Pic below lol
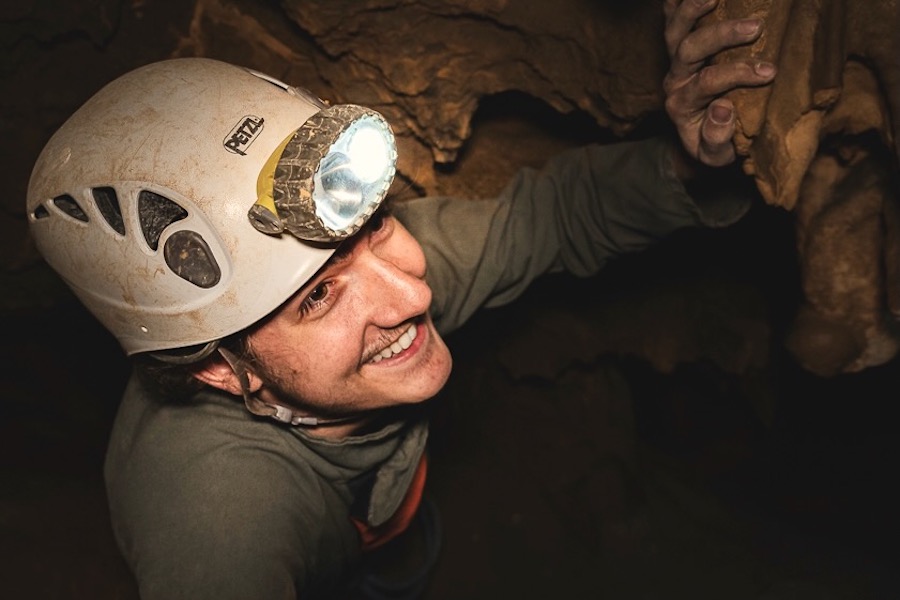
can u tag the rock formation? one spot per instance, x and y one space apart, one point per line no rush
821 142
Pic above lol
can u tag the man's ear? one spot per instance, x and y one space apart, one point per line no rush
225 372
216 372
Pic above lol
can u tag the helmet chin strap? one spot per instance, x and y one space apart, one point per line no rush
278 412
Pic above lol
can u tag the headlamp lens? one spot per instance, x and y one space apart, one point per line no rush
368 151
352 176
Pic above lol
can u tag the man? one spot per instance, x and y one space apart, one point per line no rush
231 232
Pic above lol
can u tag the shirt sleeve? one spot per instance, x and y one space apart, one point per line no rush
585 207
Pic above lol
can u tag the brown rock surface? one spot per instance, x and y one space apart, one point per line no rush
805 139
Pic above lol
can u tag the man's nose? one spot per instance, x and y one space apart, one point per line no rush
398 289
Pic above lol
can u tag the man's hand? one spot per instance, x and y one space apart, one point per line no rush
694 87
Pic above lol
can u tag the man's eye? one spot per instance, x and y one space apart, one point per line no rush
377 221
318 294
318 298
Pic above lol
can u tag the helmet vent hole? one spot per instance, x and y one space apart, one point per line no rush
108 204
189 257
40 212
67 204
156 213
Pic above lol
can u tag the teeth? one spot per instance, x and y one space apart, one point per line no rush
407 338
402 343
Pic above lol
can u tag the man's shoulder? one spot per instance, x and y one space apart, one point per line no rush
201 479
163 453
209 426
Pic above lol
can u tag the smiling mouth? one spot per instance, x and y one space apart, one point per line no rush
399 345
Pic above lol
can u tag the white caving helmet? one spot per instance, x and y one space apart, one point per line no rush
163 201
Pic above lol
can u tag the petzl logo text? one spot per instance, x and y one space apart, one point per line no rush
243 134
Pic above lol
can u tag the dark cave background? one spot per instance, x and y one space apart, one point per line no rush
639 434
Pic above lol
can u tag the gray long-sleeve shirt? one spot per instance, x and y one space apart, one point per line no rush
208 501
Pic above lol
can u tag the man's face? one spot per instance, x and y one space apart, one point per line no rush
358 336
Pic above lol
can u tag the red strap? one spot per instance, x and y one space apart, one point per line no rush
373 537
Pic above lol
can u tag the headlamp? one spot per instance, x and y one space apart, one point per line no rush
325 181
